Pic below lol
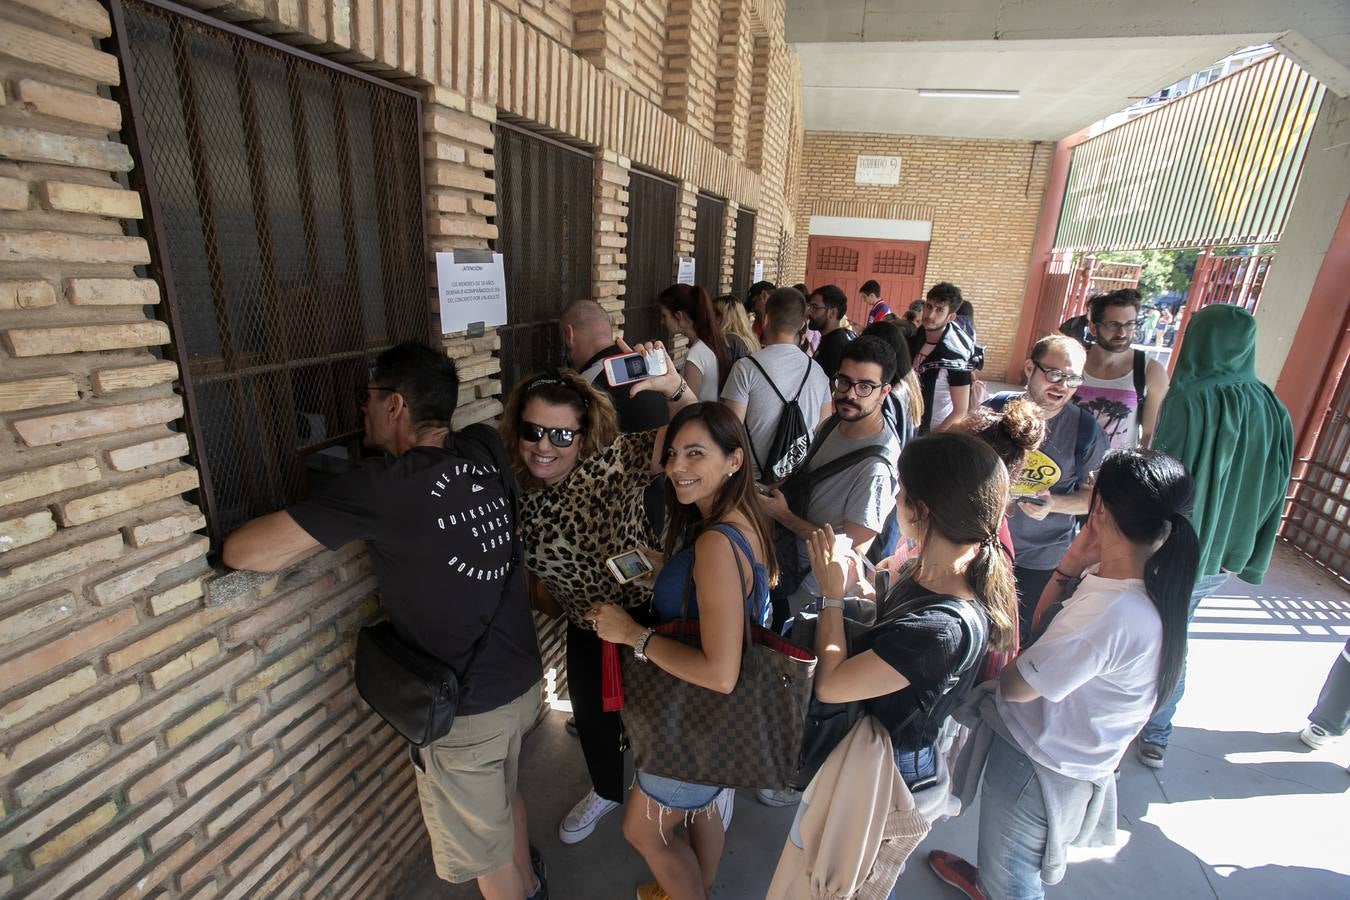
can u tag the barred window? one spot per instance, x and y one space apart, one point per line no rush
544 226
652 203
708 230
284 210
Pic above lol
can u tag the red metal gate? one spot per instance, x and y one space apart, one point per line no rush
1320 503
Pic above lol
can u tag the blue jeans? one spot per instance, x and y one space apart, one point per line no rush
1013 826
1159 728
915 767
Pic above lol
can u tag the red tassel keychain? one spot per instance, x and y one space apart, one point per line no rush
611 677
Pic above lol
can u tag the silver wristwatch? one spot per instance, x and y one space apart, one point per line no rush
640 648
828 603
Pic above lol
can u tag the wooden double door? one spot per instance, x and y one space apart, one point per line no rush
898 266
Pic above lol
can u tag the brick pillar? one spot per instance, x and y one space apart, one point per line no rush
458 146
609 248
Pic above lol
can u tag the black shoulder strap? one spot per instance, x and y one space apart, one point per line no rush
1140 370
975 633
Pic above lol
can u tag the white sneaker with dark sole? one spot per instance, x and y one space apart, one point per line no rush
785 797
1317 737
578 824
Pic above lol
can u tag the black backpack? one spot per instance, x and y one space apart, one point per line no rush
791 439
827 724
797 492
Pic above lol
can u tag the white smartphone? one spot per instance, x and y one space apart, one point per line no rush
628 566
627 368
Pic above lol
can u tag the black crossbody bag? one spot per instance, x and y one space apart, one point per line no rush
418 694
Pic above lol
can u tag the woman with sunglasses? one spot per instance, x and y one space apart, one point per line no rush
581 505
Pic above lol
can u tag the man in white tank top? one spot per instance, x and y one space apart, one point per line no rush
1122 388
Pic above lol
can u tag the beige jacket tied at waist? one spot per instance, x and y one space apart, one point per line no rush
857 824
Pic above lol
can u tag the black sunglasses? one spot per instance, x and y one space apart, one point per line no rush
558 437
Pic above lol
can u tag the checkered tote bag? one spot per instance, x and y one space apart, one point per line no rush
749 738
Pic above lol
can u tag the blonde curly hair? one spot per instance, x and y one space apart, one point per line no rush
594 409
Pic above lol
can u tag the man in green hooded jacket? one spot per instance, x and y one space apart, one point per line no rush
1235 438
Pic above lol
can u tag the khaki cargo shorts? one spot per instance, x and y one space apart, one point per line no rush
465 783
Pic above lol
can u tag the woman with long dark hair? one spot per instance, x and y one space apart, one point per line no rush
688 310
715 528
953 489
1070 704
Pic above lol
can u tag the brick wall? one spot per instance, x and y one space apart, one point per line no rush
167 729
983 198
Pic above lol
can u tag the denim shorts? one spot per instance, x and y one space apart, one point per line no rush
675 794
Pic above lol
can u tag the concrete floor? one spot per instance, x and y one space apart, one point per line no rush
1242 809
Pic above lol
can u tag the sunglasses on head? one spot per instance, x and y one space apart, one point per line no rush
558 437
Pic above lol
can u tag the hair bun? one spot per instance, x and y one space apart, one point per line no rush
1024 423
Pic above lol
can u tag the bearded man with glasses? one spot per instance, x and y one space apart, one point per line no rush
1122 387
1055 484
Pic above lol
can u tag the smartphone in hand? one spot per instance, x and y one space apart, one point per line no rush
628 566
627 368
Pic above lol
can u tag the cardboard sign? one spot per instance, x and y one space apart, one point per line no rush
471 288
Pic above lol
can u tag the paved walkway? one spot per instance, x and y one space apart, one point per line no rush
1242 810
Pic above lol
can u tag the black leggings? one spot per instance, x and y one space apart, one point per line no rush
601 733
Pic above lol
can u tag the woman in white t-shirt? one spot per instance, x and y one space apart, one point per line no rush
1075 698
686 309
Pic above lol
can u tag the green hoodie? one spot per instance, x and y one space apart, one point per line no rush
1234 437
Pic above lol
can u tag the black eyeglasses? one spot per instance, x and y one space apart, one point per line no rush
843 384
1059 376
558 437
1114 327
362 392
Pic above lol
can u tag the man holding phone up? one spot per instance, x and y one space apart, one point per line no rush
1055 484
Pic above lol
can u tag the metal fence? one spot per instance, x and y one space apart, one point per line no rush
284 210
708 230
1320 506
652 204
544 226
1217 167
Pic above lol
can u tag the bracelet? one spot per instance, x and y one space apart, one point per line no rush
679 393
1060 571
640 646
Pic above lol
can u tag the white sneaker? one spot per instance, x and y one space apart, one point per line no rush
726 802
580 822
785 797
1317 737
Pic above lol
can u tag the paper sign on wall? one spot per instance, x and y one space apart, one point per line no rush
686 271
759 271
877 170
472 289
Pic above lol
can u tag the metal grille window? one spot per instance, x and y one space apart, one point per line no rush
285 212
544 224
1316 521
743 266
652 204
708 228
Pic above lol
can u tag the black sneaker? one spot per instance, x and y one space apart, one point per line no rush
540 872
571 725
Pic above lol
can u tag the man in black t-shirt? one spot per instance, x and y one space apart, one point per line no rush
829 305
440 529
944 358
